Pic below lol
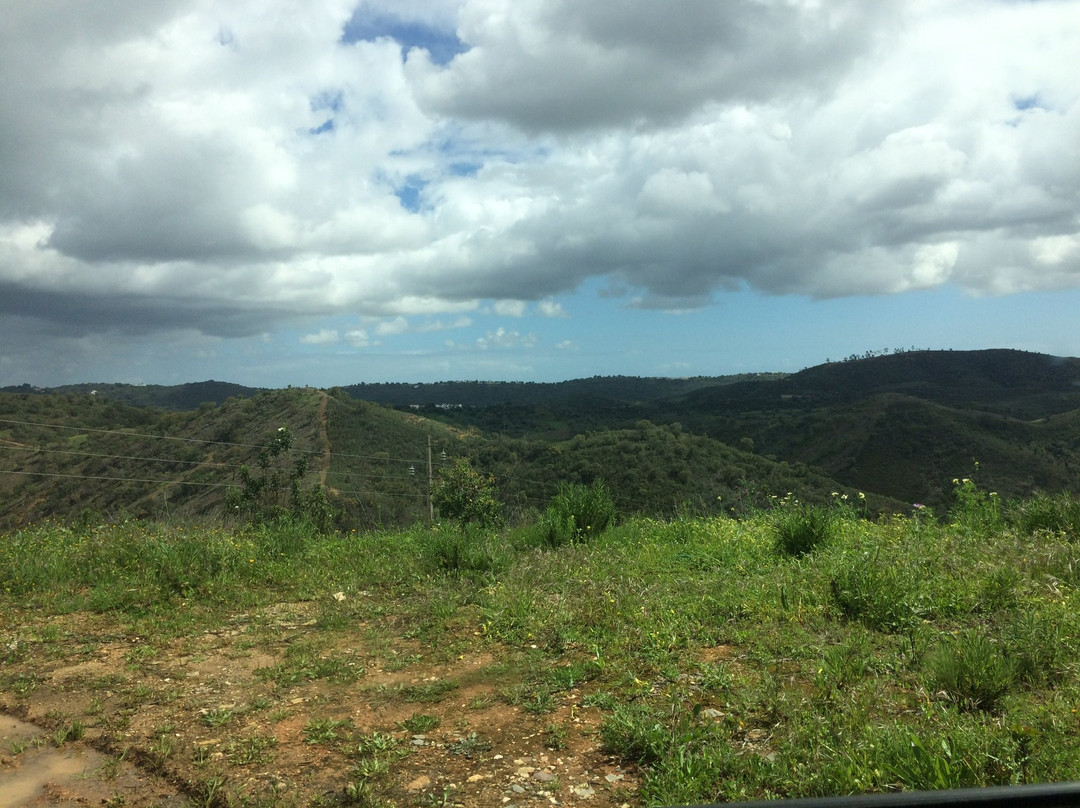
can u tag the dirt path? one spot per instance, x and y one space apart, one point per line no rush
323 438
266 706
39 768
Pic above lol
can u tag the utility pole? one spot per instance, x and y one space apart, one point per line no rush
430 506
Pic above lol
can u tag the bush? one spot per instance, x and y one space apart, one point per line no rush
972 670
577 514
465 495
799 530
468 549
1052 514
881 595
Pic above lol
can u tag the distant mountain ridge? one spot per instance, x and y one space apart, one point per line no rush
1000 380
167 397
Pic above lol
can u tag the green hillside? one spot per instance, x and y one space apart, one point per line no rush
898 428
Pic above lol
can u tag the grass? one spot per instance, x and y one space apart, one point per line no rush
728 659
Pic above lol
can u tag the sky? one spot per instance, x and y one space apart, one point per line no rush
326 192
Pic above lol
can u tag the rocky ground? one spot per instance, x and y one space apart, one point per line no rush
274 708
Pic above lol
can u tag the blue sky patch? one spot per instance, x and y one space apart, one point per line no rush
1028 102
442 45
409 193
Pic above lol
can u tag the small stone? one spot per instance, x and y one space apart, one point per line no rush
613 778
543 777
712 712
474 778
497 757
584 792
421 782
517 789
525 771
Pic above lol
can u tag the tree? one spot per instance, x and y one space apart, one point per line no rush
465 495
275 489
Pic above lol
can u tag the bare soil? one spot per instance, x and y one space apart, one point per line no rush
96 714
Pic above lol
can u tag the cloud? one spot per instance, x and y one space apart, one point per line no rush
509 308
551 308
327 336
230 170
501 338
399 325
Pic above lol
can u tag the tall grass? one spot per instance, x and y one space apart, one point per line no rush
898 654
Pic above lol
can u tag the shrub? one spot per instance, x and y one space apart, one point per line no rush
972 670
577 513
634 732
882 596
1038 643
799 530
465 495
1058 513
466 549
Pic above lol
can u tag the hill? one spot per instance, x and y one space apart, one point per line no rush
908 424
899 428
167 397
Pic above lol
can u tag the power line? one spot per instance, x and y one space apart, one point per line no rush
41 450
148 436
117 479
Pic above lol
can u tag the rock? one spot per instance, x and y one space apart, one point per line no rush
474 778
585 792
517 789
543 777
613 778
421 782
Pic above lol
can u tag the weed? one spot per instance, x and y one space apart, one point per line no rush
635 732
1038 644
1058 513
69 732
376 743
258 703
570 676
716 678
971 669
218 717
252 749
201 755
360 794
541 702
430 693
577 513
208 793
555 737
843 665
603 699
883 596
162 747
469 746
481 701
420 723
800 529
326 730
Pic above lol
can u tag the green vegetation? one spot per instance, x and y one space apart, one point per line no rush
798 651
577 513
465 496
